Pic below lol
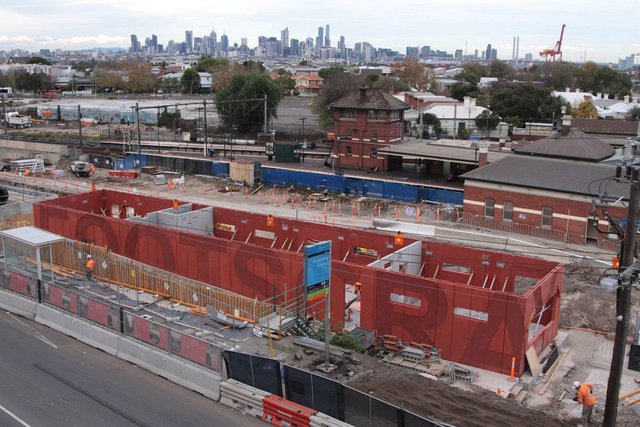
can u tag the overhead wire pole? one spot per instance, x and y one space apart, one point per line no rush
4 117
266 117
80 125
138 126
623 299
206 138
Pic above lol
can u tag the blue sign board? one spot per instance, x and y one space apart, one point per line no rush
317 265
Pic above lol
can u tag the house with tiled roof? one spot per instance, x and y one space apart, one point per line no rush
308 84
364 121
549 188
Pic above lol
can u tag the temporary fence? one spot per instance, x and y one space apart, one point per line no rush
303 389
70 256
451 214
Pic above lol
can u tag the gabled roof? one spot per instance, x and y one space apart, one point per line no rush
576 145
310 77
583 178
370 99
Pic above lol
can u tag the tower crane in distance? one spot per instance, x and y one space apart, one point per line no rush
556 51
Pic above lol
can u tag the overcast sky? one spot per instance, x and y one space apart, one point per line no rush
606 30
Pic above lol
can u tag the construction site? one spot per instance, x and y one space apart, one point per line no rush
457 324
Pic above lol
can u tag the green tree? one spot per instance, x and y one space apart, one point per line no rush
430 125
335 86
585 110
525 101
614 82
38 60
372 78
556 75
501 70
190 81
208 64
168 119
253 66
634 114
247 116
460 90
390 84
487 120
472 73
587 77
285 82
330 72
35 82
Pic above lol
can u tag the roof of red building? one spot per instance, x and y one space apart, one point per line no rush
370 99
311 77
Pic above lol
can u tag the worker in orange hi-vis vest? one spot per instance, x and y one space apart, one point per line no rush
91 264
585 397
92 169
92 186
175 204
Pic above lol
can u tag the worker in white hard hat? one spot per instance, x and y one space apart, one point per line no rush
91 264
585 397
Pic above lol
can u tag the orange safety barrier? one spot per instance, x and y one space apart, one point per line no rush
282 412
123 174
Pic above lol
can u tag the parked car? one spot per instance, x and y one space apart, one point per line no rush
79 168
307 145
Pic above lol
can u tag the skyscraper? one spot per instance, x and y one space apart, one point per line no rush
320 38
224 43
135 47
188 40
487 53
295 47
284 37
327 38
412 52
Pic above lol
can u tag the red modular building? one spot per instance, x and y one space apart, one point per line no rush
364 122
480 308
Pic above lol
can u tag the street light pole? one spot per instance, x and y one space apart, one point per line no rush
486 125
303 135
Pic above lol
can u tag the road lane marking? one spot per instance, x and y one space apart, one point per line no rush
35 333
14 416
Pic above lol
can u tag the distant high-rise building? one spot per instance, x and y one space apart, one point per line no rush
458 54
475 54
188 40
213 42
135 46
327 38
197 44
295 47
425 52
487 53
320 38
341 44
284 37
262 40
224 43
367 52
494 54
412 52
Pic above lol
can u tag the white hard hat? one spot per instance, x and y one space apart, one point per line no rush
576 384
88 256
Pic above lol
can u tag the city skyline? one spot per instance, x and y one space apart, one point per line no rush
595 28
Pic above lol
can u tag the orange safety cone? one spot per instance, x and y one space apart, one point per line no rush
340 209
418 215
438 214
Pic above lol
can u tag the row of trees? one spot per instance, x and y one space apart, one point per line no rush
589 77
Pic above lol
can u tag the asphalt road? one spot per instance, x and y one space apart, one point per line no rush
49 379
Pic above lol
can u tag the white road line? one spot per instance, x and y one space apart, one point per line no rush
14 416
35 333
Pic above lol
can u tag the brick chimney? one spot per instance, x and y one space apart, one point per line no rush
483 156
363 93
566 123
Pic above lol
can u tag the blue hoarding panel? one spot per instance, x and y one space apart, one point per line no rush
220 168
118 164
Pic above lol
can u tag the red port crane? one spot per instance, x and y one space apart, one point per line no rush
556 51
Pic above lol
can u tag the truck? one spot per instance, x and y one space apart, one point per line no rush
15 120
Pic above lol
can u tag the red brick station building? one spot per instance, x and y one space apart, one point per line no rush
364 122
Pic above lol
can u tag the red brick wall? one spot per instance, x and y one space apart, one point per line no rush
535 202
360 157
361 128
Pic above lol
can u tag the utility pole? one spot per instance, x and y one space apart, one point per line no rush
266 117
4 117
623 297
138 122
158 133
302 119
206 138
80 125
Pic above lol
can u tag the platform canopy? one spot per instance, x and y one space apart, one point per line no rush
31 236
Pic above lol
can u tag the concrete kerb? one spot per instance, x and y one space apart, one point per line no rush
17 304
80 329
175 370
